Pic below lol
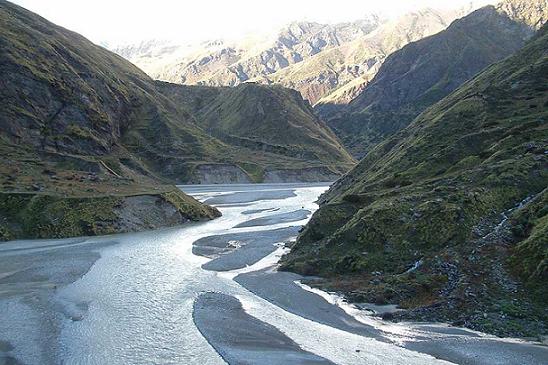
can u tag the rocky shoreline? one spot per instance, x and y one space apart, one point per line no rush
480 291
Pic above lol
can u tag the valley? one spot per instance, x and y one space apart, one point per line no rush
209 293
366 183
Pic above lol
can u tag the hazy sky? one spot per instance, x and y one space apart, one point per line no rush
124 21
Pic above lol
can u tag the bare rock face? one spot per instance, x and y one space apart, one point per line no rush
135 213
421 73
221 174
315 59
533 13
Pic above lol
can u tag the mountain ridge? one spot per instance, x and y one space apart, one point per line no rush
313 58
423 72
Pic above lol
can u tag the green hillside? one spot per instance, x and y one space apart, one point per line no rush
448 216
273 123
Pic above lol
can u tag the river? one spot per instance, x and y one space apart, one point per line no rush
208 293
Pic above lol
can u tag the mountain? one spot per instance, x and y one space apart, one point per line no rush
228 63
322 75
285 140
313 58
231 63
82 127
69 113
448 216
425 71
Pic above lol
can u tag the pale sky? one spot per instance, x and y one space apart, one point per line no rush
125 21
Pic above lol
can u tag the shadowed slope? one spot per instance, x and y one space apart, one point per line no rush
423 219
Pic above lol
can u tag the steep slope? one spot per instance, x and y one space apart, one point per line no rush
79 122
313 58
287 142
72 115
318 76
423 72
447 217
64 95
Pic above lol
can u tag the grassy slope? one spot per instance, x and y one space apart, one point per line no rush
77 121
422 73
73 118
64 95
276 127
434 193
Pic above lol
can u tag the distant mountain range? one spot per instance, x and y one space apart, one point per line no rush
315 59
423 72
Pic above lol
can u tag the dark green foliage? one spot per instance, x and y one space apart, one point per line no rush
48 216
190 207
45 216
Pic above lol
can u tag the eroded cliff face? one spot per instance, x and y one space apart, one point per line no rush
221 174
312 174
45 215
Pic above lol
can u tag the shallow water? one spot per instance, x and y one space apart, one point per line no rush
136 302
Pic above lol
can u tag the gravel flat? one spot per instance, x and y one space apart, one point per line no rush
272 219
237 250
280 289
248 197
242 339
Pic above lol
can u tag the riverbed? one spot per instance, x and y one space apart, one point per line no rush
209 293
